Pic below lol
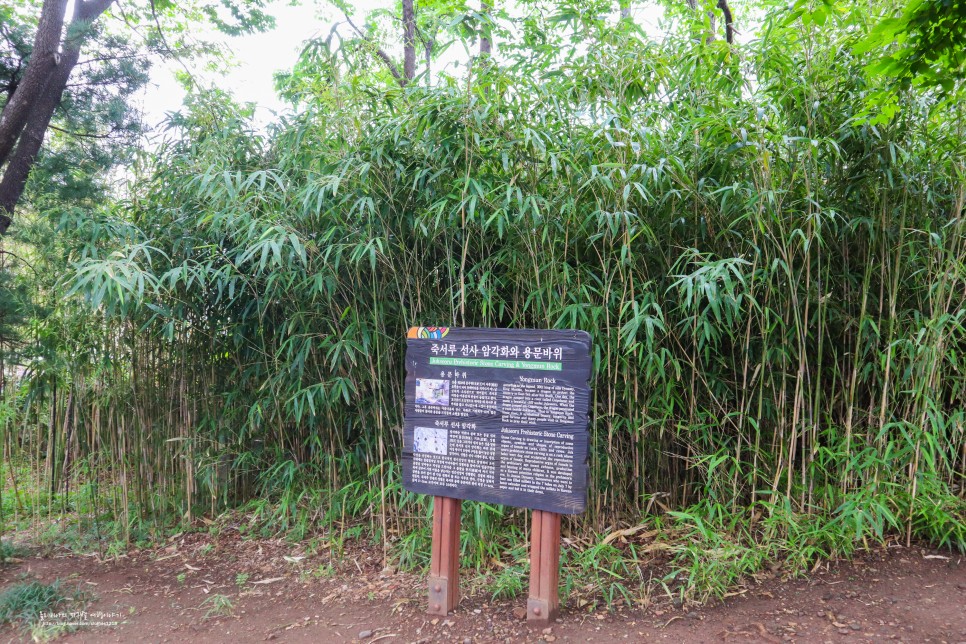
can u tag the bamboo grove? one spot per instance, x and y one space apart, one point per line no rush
772 277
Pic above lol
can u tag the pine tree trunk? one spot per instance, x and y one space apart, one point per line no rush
41 109
43 60
32 136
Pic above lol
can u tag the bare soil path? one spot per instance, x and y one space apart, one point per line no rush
272 593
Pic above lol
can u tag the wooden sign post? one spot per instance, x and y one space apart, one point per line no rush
444 567
543 603
499 416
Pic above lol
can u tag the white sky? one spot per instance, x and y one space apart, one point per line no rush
259 56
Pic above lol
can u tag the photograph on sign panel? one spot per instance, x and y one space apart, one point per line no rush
430 440
432 392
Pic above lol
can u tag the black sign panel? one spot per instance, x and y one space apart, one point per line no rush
498 415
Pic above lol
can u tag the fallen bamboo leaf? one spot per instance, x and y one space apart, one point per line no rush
627 532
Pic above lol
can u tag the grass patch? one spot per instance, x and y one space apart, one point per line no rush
218 606
26 604
10 552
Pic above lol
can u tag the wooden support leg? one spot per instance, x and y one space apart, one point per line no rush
543 604
444 585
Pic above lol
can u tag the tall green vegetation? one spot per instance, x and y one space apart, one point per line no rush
772 282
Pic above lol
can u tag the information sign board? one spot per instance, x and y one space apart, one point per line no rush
498 415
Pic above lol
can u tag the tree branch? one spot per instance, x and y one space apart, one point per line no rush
104 59
378 50
89 10
19 258
83 135
729 26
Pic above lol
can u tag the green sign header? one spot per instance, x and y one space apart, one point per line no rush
496 364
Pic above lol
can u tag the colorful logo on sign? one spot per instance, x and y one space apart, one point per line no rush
432 332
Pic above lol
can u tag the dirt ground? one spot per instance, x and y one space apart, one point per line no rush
174 594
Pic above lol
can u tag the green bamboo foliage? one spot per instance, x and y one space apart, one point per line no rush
773 285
